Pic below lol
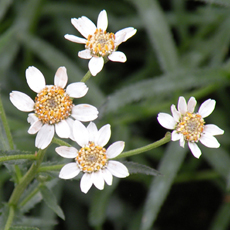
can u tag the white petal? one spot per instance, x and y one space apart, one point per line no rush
117 169
176 136
129 32
119 38
62 129
191 104
86 182
175 113
102 20
107 176
35 79
84 112
77 89
70 122
182 106
182 141
80 133
92 129
84 25
166 120
22 101
44 136
61 78
67 152
75 39
69 171
95 65
115 149
117 56
85 54
32 118
194 149
207 107
209 141
103 135
98 180
35 127
213 130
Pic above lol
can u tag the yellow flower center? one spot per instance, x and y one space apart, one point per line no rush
191 125
91 158
101 43
52 105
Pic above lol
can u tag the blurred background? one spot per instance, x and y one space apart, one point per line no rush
181 48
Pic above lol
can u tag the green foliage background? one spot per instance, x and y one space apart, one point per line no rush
181 49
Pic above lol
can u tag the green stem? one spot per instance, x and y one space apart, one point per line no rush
156 144
19 189
50 168
18 157
5 125
86 77
10 218
28 198
60 142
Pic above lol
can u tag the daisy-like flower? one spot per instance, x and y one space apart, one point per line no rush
92 159
189 126
99 43
53 108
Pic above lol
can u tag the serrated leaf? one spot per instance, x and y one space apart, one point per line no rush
23 228
51 201
134 167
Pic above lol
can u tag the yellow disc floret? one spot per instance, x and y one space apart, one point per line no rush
91 158
101 43
52 105
191 125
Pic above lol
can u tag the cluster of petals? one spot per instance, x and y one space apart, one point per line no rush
90 134
86 27
45 132
210 130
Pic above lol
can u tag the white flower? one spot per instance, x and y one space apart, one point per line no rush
53 106
92 159
99 43
189 126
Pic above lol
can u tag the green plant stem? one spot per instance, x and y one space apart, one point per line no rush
50 168
86 77
10 218
28 198
6 126
18 157
60 142
156 144
19 189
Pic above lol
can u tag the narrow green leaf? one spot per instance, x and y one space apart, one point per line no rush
98 207
134 167
23 228
160 186
51 201
159 33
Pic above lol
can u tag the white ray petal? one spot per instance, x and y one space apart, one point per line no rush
182 106
176 136
175 113
80 133
209 141
85 54
75 39
117 169
35 127
117 56
70 122
77 89
44 136
98 180
191 104
213 129
207 107
62 129
22 101
35 79
32 118
129 32
67 152
107 176
102 20
115 149
103 135
69 171
86 182
84 112
95 65
92 129
166 120
194 149
61 78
